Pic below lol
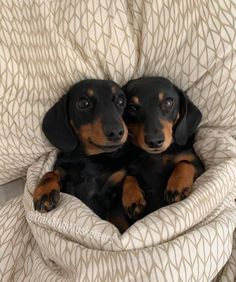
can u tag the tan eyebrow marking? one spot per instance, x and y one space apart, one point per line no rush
135 100
113 89
161 96
90 92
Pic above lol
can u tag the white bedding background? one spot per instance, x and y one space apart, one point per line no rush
11 190
45 47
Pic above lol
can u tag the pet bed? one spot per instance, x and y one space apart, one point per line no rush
46 46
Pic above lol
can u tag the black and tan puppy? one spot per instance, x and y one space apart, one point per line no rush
86 125
110 177
161 121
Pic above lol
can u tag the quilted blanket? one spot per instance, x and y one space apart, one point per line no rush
45 47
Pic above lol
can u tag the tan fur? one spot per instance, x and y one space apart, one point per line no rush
117 176
176 158
132 194
90 92
48 183
93 133
113 89
181 179
161 96
136 131
135 100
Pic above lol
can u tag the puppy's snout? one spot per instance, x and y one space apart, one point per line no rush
154 141
114 134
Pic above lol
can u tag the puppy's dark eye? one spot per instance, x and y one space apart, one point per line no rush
167 104
83 103
120 101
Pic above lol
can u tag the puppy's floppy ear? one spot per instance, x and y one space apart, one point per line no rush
56 126
189 119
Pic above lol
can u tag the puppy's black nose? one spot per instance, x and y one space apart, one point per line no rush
154 141
114 134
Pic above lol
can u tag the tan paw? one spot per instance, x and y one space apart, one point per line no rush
132 198
180 183
47 193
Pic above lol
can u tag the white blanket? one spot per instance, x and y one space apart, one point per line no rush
45 47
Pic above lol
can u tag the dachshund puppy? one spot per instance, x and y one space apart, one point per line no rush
86 125
121 181
161 121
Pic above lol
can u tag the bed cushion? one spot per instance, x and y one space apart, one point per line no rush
60 42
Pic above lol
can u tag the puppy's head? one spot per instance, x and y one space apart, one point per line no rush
158 113
89 115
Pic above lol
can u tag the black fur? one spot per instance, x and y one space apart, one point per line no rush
150 166
85 172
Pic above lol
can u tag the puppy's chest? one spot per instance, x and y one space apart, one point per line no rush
86 176
151 167
152 173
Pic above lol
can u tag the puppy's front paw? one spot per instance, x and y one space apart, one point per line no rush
176 194
180 183
132 198
47 193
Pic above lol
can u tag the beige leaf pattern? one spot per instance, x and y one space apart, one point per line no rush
45 47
